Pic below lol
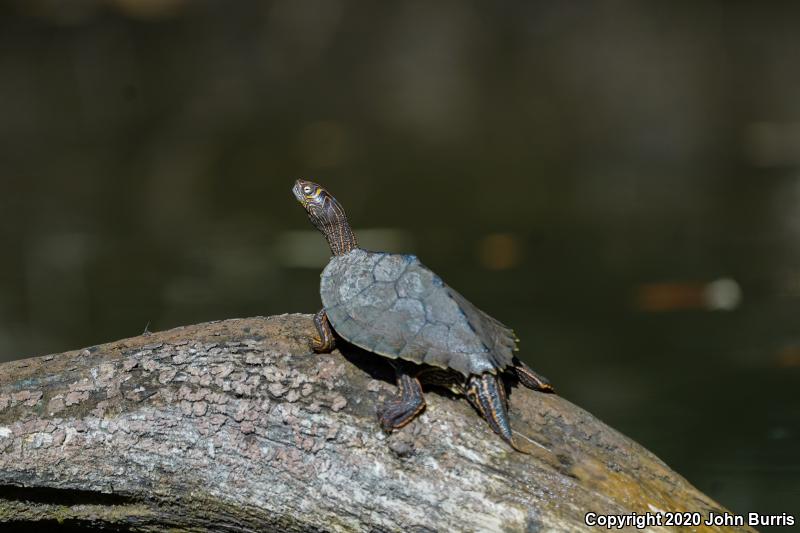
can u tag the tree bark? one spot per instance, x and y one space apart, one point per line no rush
237 426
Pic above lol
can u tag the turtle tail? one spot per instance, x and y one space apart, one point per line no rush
485 392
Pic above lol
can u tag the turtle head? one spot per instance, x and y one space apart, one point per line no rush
326 214
311 196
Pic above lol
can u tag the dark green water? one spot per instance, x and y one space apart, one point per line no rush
618 182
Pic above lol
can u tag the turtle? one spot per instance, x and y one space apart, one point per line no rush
394 306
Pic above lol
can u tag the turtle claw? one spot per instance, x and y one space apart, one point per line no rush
408 403
531 379
317 346
395 415
324 341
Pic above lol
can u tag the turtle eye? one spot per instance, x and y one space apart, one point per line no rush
307 189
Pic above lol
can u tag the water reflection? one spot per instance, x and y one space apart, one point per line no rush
723 294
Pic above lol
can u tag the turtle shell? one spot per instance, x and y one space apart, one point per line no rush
395 306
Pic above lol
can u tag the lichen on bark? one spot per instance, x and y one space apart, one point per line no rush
236 426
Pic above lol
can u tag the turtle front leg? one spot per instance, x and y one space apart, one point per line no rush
486 393
531 379
408 403
324 342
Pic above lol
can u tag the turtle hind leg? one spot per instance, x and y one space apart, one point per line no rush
324 341
408 403
531 379
485 393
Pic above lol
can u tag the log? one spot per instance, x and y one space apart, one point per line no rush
237 426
